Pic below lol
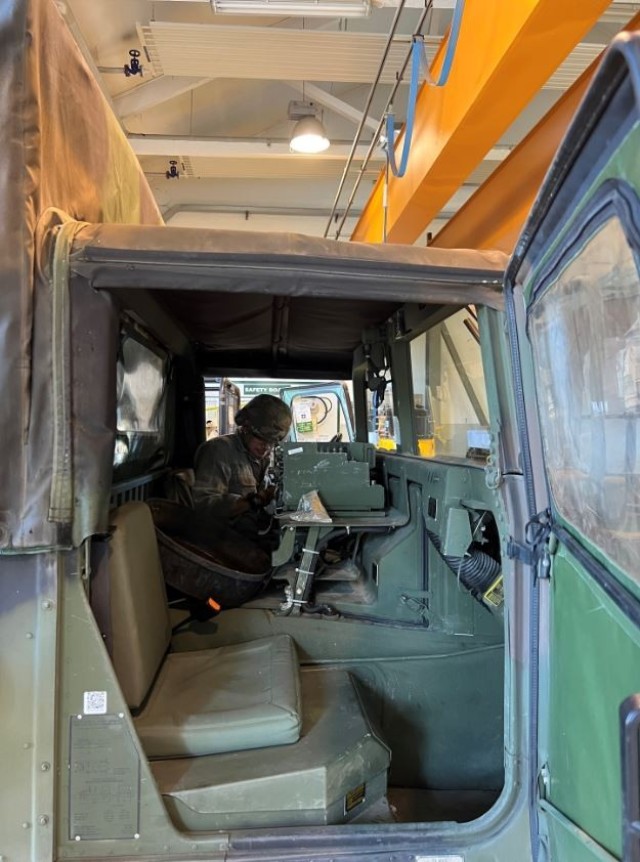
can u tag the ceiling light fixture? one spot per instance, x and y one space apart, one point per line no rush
301 8
309 135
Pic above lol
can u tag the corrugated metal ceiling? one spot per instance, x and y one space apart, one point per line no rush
271 53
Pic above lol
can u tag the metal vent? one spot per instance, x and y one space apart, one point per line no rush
269 53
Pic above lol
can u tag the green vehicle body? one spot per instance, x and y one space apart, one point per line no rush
501 716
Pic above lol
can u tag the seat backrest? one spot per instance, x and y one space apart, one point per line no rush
140 625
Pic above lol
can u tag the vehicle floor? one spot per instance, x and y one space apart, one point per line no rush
415 805
441 734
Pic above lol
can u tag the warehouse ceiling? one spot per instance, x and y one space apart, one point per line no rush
214 98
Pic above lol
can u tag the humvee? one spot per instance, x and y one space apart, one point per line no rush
448 669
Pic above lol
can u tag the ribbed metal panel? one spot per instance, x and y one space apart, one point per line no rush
573 66
481 173
620 12
271 53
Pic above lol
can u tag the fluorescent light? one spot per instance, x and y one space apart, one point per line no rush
309 136
301 8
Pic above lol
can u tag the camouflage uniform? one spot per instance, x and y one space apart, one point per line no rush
226 471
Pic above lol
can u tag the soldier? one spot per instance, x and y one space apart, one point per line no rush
230 487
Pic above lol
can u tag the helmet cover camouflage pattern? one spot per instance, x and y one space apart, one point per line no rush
266 417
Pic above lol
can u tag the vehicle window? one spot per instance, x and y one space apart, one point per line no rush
450 398
585 332
318 417
141 404
222 402
384 430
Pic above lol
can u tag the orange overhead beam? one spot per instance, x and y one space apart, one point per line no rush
506 51
493 217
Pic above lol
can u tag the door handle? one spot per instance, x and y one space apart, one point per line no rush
630 755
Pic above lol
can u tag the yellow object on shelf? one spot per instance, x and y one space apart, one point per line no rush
387 444
427 447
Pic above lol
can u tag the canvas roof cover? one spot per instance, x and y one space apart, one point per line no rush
278 303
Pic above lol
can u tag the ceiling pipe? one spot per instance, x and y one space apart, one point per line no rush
376 137
365 112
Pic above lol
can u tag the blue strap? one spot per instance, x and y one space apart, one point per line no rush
418 58
452 44
417 53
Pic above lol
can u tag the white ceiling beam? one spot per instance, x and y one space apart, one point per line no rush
343 109
212 148
155 92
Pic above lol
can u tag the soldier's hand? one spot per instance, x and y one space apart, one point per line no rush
267 494
260 499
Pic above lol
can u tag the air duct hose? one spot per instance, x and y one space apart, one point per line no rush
476 570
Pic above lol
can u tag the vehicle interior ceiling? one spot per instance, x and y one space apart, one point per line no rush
396 599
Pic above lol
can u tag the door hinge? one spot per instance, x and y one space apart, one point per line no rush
544 781
543 572
535 550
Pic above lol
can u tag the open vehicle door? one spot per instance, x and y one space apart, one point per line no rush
574 301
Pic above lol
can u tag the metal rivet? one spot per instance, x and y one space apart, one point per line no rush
47 605
44 820
29 635
44 766
136 835
121 715
26 825
77 838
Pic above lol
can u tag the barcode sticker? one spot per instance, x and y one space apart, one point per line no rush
95 703
296 451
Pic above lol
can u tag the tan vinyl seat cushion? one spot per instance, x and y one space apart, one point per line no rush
226 699
191 703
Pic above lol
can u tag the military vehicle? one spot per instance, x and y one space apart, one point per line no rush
448 669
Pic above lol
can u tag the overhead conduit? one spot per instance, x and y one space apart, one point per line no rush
494 216
505 53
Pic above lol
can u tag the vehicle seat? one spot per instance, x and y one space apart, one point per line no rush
191 703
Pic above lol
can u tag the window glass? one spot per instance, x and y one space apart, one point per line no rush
140 387
450 398
318 417
141 406
585 332
320 409
222 402
383 427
